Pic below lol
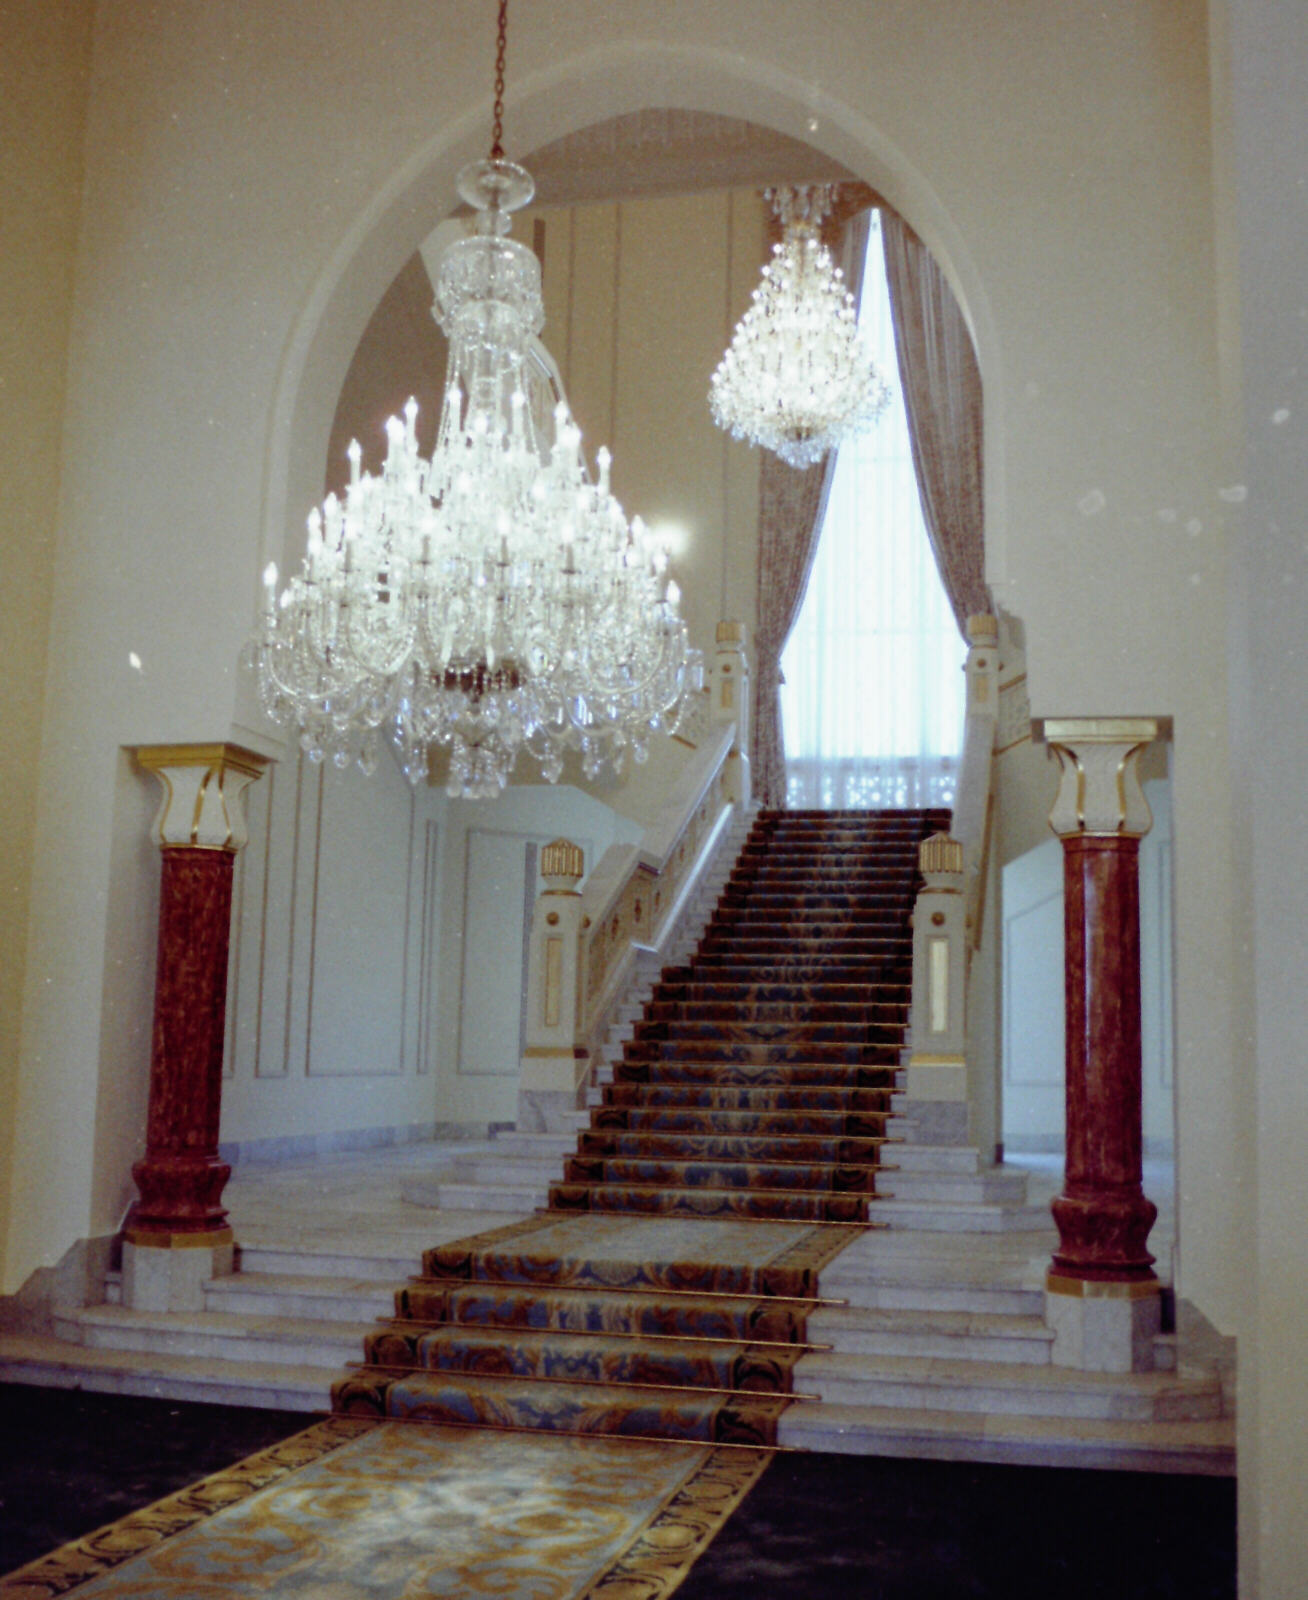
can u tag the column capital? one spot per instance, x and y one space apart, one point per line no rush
1099 791
203 789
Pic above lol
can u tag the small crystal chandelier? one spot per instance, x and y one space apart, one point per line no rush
796 377
492 599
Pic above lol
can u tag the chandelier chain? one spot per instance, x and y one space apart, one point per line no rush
501 47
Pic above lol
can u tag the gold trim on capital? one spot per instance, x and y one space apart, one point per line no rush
1101 730
155 757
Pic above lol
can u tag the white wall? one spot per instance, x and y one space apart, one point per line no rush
335 953
486 892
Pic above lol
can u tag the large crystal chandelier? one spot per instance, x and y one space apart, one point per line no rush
492 599
796 378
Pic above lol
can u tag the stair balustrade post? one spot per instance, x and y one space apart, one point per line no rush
176 1235
936 1079
729 702
1102 1298
555 1061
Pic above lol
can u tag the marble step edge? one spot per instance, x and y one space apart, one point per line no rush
215 1335
1206 1448
516 1197
938 1383
304 1259
319 1299
889 1295
829 1323
961 1216
904 1183
47 1363
507 1168
521 1142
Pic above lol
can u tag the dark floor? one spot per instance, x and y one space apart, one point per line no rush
834 1527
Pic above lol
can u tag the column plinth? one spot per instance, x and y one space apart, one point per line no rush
176 1234
1102 1296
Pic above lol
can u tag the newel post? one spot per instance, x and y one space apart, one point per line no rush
1102 1299
555 1061
176 1235
936 1081
729 702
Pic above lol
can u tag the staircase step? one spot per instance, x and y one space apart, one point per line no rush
278 1294
1007 1388
734 1317
971 1188
699 1147
269 1385
672 1071
661 1200
587 1357
757 1124
1178 1447
622 1410
222 1336
831 1097
523 1197
608 1170
954 1216
949 1335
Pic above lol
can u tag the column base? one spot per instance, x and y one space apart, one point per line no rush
168 1271
1103 1327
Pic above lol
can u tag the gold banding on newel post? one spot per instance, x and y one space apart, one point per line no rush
729 702
555 1061
176 1235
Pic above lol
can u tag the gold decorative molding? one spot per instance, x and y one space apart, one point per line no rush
730 632
983 629
1099 792
204 784
1101 1289
562 860
940 853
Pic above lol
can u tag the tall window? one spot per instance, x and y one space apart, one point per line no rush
872 703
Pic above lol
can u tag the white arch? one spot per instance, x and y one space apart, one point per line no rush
606 82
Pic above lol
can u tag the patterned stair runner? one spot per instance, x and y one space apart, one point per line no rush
666 1291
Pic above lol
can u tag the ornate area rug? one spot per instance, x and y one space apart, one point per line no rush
357 1510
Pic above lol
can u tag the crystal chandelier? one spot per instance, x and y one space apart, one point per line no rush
796 377
493 598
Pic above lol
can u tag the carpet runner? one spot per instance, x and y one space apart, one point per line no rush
666 1290
356 1510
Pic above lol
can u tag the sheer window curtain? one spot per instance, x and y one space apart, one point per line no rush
791 511
872 692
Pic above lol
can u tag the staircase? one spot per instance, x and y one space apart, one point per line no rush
750 1101
707 1267
759 1082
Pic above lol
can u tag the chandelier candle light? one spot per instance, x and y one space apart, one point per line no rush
797 378
494 598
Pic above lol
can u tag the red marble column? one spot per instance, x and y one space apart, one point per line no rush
1103 1216
180 1177
200 828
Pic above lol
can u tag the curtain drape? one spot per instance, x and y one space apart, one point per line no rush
791 506
942 393
872 693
